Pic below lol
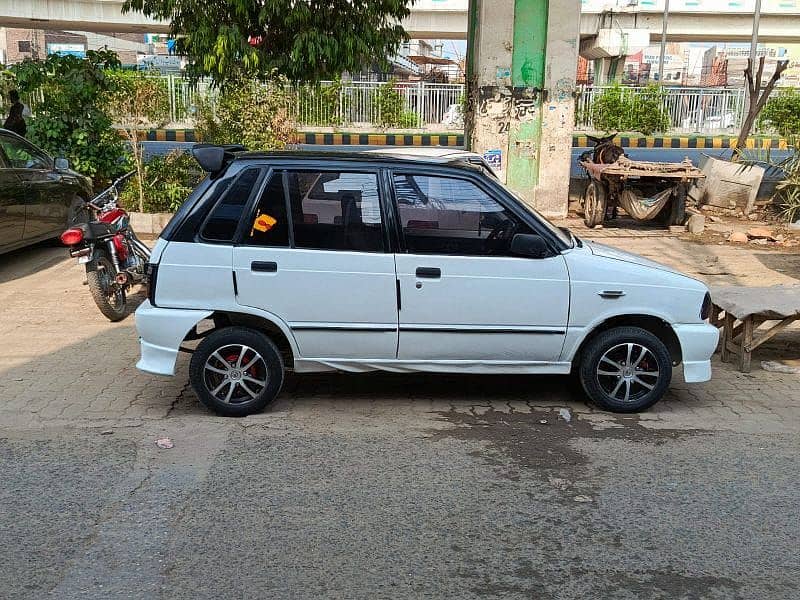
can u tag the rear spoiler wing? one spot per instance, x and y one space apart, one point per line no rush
213 158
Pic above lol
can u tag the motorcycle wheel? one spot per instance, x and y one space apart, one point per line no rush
107 295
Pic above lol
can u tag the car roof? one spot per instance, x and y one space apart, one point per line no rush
452 158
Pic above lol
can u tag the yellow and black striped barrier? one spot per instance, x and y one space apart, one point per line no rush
456 140
669 141
381 139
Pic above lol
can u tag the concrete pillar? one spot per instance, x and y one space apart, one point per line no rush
522 59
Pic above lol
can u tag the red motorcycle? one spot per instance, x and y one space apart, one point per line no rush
115 258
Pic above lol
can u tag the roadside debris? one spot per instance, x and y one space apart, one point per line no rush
565 414
165 443
737 237
107 432
775 366
582 499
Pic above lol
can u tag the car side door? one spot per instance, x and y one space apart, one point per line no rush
315 253
465 295
47 200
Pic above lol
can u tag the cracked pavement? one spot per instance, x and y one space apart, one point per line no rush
383 485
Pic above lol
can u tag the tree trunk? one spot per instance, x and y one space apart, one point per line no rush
756 98
137 159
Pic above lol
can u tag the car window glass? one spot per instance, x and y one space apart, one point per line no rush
224 219
22 155
269 225
443 215
334 210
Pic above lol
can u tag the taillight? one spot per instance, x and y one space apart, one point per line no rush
705 309
72 236
152 273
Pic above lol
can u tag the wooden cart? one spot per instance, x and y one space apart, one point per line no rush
608 182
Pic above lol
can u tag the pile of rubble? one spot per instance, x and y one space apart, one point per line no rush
762 236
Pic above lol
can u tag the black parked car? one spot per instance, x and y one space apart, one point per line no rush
39 196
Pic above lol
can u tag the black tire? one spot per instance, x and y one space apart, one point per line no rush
107 296
237 347
612 382
594 203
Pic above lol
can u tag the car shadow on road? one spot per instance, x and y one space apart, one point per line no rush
26 261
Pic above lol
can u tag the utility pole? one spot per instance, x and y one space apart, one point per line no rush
754 42
665 20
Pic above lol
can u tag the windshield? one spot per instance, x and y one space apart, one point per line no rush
563 234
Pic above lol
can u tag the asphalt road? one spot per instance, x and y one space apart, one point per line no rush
456 506
384 485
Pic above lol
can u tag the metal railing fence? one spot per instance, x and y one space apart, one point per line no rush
690 110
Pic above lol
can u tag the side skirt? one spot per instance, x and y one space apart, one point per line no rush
316 365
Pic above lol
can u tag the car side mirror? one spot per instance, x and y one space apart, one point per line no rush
61 164
530 245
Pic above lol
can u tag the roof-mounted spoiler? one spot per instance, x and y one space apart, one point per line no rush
213 158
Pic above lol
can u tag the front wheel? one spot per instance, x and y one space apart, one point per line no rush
625 369
236 371
107 294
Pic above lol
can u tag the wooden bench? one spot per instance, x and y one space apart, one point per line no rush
741 312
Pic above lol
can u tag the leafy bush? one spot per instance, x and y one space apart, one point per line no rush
70 118
787 192
621 109
248 112
782 113
390 108
168 181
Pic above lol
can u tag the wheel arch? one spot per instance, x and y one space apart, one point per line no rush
655 325
280 335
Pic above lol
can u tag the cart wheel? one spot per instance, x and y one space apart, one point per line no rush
594 203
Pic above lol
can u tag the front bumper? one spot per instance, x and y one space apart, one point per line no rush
698 343
161 332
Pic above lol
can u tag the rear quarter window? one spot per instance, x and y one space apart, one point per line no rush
223 221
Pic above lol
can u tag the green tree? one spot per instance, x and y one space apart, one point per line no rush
304 40
782 113
70 118
137 102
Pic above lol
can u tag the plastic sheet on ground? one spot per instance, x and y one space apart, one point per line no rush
642 208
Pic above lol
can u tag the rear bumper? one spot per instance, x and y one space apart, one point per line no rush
161 332
698 343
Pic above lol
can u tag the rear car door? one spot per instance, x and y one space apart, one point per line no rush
47 201
464 295
315 253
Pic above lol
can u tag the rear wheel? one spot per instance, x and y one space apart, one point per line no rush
625 369
594 203
106 293
236 371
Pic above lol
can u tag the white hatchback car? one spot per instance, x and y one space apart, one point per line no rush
361 262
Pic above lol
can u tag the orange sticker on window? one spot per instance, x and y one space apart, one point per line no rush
263 223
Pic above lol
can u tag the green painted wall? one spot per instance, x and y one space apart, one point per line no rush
527 71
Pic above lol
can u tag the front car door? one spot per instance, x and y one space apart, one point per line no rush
315 253
465 297
47 200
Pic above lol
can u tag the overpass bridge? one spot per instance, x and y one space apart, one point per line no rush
690 20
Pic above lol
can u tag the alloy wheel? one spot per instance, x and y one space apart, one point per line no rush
627 372
235 374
